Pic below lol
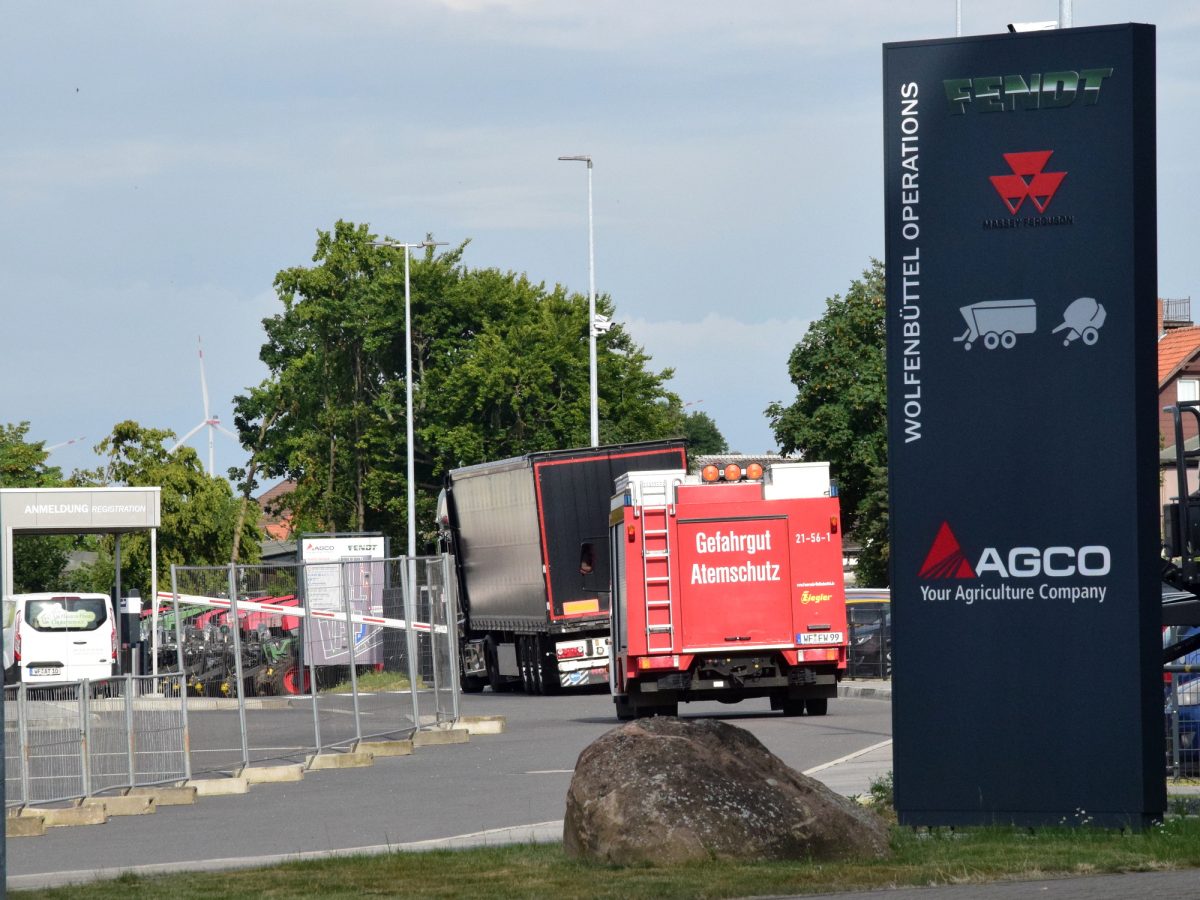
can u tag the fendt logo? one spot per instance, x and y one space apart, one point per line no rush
1028 180
947 560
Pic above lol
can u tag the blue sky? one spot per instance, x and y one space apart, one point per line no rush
160 162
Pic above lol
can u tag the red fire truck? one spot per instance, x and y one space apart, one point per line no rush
726 585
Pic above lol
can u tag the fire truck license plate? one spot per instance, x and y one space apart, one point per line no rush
822 637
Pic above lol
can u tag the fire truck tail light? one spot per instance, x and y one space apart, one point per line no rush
733 472
818 654
833 525
630 533
754 471
710 473
569 652
658 662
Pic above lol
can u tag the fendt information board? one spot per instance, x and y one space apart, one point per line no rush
1021 282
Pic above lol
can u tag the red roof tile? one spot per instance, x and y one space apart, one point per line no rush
1174 348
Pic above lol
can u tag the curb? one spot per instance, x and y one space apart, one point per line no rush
537 833
438 738
481 724
357 759
24 826
864 692
386 748
273 774
166 796
218 787
122 805
65 816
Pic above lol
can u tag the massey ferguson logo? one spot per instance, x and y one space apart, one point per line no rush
1028 180
947 560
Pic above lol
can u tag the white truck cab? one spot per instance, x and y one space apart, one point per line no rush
58 636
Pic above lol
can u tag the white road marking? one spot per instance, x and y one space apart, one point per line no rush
855 755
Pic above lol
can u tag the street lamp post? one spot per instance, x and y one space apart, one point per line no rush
592 398
408 392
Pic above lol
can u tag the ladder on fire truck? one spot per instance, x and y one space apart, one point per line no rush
656 566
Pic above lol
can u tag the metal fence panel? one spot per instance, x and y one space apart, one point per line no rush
159 730
270 678
14 743
1182 723
55 747
107 713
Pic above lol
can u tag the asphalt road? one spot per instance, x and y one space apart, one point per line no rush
516 778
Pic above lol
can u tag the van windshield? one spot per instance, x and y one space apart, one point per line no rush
66 613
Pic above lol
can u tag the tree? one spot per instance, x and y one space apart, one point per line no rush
199 511
840 411
38 560
500 368
702 434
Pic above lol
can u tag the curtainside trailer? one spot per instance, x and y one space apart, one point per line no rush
531 616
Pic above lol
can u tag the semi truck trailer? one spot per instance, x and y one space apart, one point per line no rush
529 617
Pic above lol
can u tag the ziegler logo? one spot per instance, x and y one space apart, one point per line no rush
1028 179
947 560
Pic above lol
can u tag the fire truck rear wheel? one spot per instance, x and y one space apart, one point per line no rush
792 707
664 709
625 710
816 706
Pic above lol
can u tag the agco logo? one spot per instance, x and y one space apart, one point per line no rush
1029 179
946 560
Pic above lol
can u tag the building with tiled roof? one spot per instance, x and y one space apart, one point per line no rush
275 517
1178 381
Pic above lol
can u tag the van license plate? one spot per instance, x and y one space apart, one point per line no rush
45 670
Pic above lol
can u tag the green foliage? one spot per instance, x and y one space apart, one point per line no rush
198 511
38 560
918 859
500 368
840 411
702 435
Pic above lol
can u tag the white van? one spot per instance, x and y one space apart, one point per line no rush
58 637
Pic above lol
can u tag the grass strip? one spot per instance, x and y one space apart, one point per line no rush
527 871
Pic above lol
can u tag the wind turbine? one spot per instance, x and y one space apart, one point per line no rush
211 422
54 447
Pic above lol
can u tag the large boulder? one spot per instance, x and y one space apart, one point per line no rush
671 791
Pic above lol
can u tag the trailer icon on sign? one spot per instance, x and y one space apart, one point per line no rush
998 322
1083 319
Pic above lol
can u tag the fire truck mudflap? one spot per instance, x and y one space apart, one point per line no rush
727 586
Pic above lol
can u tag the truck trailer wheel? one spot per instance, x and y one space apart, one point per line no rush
816 706
497 681
547 663
471 684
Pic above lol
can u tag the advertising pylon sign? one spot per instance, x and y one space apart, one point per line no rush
1022 421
